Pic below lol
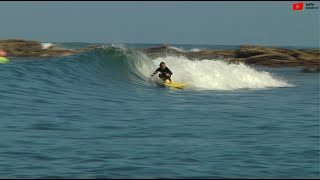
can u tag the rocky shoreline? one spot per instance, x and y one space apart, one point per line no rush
259 55
25 48
248 54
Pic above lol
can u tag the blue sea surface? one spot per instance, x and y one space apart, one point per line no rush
87 116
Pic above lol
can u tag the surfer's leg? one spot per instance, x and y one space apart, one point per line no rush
167 79
163 78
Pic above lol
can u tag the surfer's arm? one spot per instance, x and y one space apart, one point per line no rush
155 72
169 71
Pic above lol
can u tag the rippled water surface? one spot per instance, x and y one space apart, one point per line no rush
100 115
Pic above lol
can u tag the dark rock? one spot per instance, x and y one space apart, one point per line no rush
271 59
311 70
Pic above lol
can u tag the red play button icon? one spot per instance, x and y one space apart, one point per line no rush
297 6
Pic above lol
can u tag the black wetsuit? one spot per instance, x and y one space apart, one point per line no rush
163 73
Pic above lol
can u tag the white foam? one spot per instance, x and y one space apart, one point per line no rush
195 50
46 45
119 45
177 49
215 74
183 50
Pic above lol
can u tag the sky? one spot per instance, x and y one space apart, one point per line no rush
270 23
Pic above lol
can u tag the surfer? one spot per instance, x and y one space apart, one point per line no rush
3 58
165 73
3 53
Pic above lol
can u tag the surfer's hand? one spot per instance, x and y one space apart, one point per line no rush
167 74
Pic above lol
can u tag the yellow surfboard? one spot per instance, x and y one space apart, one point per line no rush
176 85
4 60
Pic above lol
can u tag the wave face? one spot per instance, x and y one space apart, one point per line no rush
200 74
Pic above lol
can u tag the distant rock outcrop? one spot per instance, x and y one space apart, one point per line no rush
24 48
311 70
259 55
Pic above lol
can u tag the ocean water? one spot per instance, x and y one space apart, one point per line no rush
100 115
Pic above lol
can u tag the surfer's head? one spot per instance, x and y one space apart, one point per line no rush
3 53
162 65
